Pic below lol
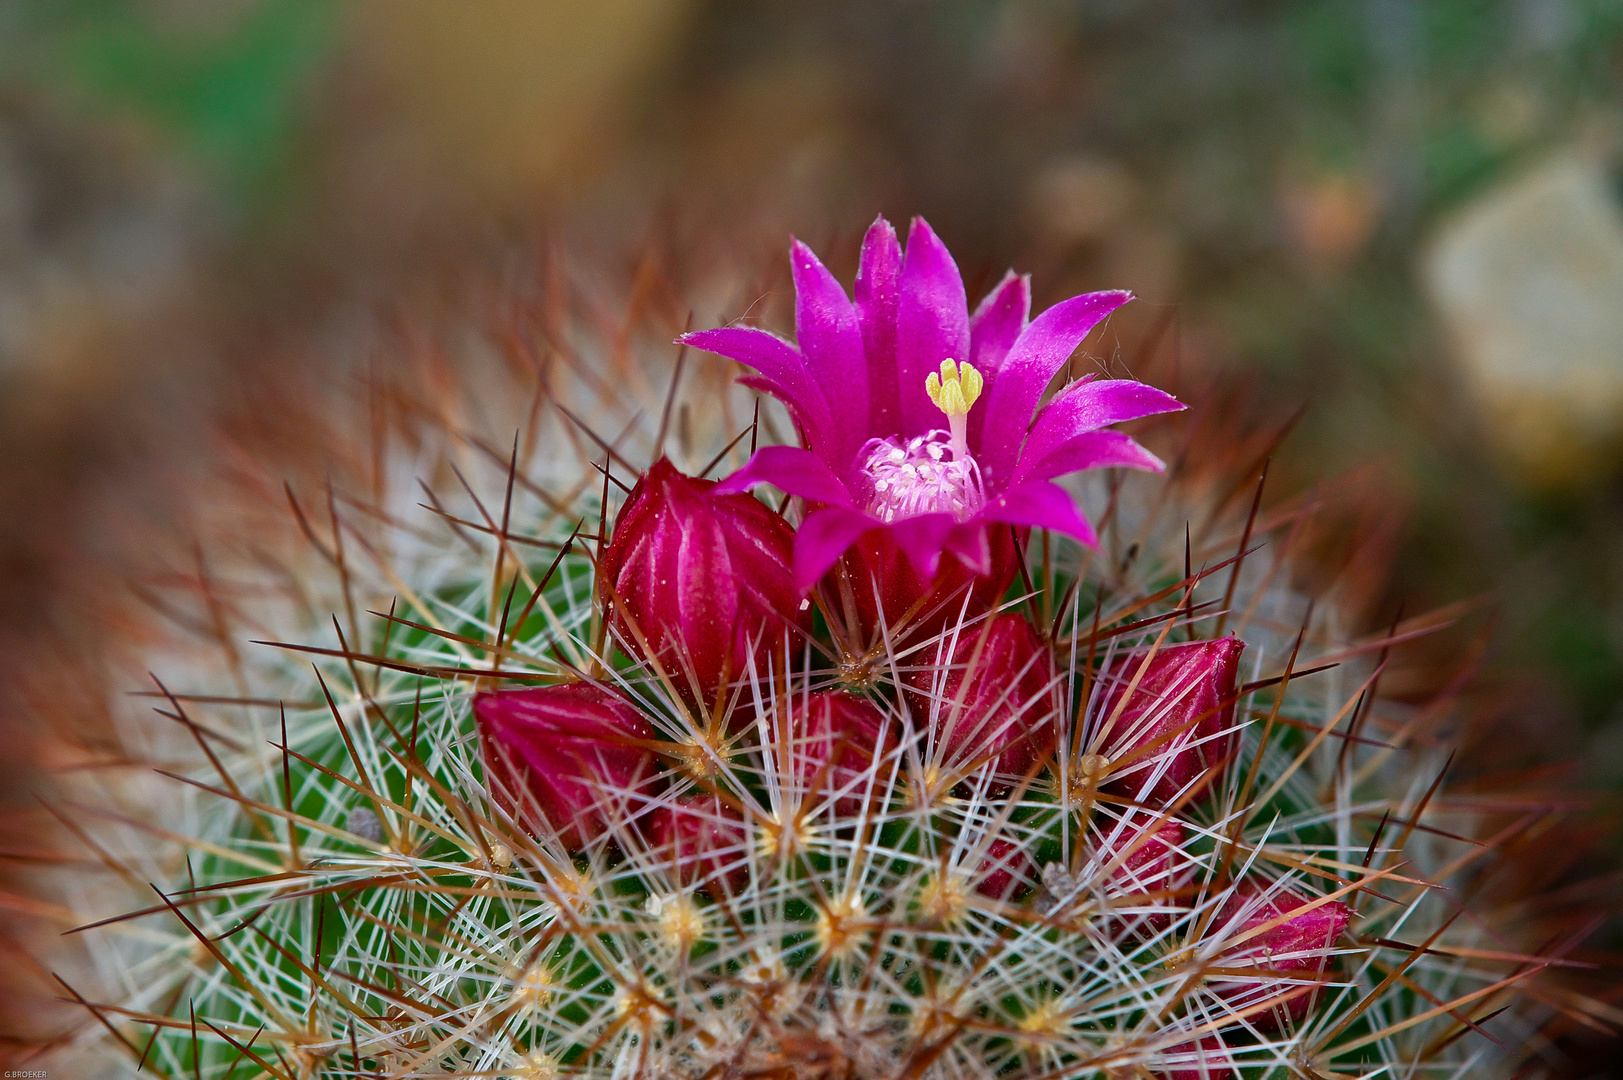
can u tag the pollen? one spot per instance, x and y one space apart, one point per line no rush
956 389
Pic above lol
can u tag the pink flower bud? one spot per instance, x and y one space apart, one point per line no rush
1185 694
1152 867
1204 1059
703 840
995 697
1296 949
706 579
877 564
835 738
1005 870
563 751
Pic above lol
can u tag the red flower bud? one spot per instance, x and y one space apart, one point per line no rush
1296 949
706 579
1005 870
562 751
1185 694
1150 868
876 564
703 840
834 739
995 697
1205 1059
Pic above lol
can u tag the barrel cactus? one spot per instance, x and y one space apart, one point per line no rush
864 706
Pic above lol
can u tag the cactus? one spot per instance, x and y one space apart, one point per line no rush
1068 854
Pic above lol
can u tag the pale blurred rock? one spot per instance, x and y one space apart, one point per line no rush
1529 279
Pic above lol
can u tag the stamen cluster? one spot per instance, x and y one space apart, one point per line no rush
923 475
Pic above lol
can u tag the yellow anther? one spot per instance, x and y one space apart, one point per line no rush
956 389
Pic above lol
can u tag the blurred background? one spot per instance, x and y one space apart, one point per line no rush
1404 217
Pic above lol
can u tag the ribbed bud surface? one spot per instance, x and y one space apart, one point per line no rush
990 694
703 840
1172 728
834 738
561 751
1293 949
701 582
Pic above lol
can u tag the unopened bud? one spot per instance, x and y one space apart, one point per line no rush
704 579
1145 854
1294 952
1006 870
703 841
1206 1058
1175 726
564 753
993 698
835 739
884 583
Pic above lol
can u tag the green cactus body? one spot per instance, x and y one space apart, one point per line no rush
339 894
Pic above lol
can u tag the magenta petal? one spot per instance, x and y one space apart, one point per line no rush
932 325
997 323
993 329
1089 450
779 362
922 538
1088 406
969 543
791 469
1040 505
823 537
877 288
831 342
1036 357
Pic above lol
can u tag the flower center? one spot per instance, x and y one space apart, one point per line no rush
933 473
920 476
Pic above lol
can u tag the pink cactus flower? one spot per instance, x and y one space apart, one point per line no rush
704 839
1295 951
919 423
994 696
1174 726
704 577
563 752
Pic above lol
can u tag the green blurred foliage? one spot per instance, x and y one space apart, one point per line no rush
225 87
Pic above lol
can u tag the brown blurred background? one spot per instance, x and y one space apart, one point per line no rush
1403 214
